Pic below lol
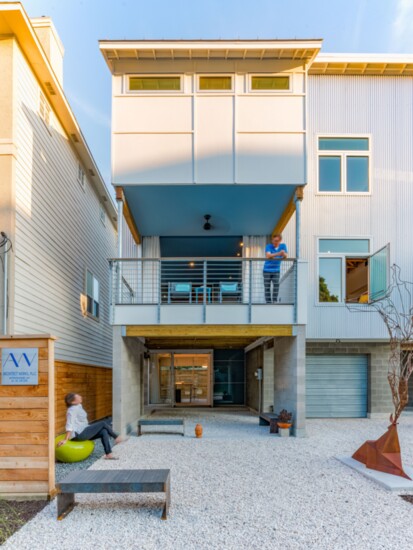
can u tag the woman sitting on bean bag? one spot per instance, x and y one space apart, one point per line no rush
79 429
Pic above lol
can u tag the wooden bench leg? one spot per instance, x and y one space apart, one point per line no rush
167 499
139 430
273 427
65 504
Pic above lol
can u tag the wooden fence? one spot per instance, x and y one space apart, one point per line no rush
27 463
93 383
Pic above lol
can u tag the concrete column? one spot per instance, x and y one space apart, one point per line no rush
128 365
289 377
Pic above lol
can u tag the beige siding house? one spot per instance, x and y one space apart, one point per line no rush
55 210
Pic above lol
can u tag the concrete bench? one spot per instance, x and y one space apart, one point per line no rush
269 419
161 422
112 481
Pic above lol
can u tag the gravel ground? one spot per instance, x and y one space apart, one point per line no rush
62 469
239 488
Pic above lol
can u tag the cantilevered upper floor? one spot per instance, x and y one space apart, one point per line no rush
209 112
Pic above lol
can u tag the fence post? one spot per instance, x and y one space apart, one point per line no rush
159 289
250 292
204 283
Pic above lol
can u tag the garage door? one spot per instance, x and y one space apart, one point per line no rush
336 386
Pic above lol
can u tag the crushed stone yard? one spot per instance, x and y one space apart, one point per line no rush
239 488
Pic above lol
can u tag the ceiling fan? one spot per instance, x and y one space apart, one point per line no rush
207 225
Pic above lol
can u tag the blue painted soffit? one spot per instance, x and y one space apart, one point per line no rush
178 210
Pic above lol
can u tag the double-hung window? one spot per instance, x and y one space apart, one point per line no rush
343 165
92 294
343 270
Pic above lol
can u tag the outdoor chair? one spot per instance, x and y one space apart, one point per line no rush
229 289
180 290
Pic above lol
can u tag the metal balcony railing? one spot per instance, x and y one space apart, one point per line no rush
196 281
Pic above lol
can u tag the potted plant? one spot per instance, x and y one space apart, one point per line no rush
284 419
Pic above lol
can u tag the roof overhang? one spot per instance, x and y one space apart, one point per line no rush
363 64
303 51
15 22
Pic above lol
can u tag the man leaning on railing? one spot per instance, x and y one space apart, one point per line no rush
274 252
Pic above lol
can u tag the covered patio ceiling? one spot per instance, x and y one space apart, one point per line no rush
179 210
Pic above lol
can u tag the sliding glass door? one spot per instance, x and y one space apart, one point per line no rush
180 379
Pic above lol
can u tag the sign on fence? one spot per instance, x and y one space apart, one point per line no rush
20 366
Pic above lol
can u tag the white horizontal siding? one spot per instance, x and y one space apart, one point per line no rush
59 235
383 108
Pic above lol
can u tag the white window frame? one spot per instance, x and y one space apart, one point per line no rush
153 92
45 111
342 256
102 214
270 92
343 155
88 313
198 85
81 176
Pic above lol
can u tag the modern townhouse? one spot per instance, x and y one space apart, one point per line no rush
217 146
59 219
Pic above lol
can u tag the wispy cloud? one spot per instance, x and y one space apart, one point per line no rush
96 116
402 27
358 24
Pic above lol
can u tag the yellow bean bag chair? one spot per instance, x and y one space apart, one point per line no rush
73 451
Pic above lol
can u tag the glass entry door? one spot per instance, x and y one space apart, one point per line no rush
180 379
192 379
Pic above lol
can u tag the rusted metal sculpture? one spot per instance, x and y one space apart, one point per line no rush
396 311
383 454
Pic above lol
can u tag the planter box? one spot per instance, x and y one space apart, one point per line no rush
284 432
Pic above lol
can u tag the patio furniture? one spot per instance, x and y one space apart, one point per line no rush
112 481
161 422
200 290
269 419
180 290
229 289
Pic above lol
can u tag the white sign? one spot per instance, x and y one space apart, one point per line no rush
20 366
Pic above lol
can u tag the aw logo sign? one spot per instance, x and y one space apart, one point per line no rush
20 367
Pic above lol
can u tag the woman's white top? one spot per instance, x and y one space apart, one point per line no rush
76 420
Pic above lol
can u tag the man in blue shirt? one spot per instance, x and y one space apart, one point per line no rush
274 253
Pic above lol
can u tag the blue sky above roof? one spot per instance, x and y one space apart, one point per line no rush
369 26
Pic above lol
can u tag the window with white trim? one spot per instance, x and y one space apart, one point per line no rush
215 83
44 109
154 83
92 294
102 214
343 270
343 164
270 83
81 178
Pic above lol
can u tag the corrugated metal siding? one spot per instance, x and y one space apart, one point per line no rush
336 386
383 108
58 235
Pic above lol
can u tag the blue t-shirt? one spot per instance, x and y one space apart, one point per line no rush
274 266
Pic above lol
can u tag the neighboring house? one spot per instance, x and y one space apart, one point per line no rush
57 213
216 145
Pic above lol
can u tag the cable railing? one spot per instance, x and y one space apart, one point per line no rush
202 281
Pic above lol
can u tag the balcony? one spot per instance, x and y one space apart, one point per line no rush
206 291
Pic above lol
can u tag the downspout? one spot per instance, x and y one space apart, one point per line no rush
119 200
5 287
297 201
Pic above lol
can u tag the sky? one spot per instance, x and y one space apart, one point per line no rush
365 26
